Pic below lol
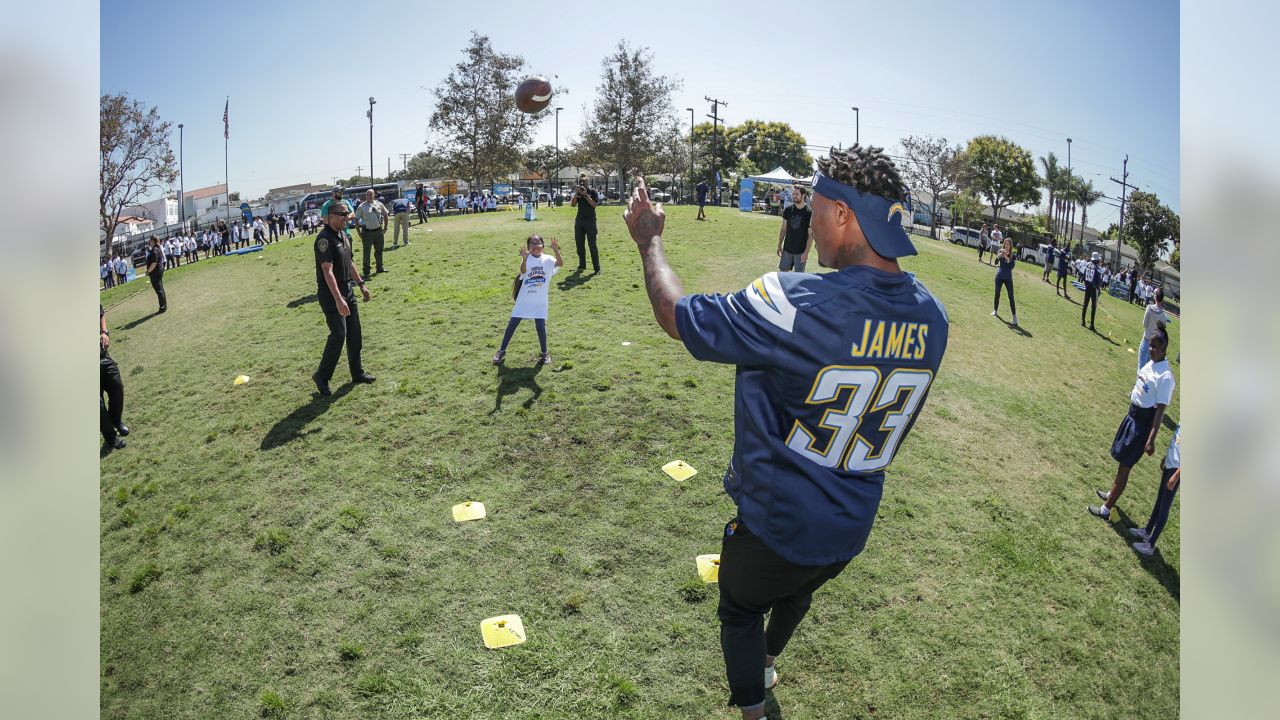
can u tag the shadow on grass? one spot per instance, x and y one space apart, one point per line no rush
575 279
139 321
1159 569
512 379
291 427
304 300
1104 337
1070 299
1017 328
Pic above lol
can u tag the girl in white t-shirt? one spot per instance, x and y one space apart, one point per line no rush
536 271
1151 318
1137 433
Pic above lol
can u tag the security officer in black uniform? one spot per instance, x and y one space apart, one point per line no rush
334 274
1092 278
584 225
155 272
112 409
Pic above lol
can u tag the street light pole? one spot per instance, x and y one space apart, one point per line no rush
690 148
1068 190
371 104
558 168
857 122
182 200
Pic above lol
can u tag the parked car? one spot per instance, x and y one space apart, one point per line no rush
659 196
1035 254
965 236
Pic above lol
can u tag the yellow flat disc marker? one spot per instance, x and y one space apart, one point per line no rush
241 379
679 470
502 631
463 512
709 568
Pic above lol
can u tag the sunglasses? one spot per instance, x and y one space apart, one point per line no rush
339 213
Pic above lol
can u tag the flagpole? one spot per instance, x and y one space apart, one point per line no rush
226 162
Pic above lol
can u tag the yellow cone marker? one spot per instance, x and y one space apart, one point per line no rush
679 470
241 379
463 512
1130 349
502 631
709 568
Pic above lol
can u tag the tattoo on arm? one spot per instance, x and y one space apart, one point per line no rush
663 286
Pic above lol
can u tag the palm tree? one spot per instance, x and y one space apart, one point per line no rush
1088 196
1051 175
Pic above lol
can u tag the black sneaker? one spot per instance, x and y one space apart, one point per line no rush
363 377
321 386
117 444
123 430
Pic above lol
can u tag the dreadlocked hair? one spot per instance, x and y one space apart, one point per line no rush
866 168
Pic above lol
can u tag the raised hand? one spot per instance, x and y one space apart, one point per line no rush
644 221
555 245
524 252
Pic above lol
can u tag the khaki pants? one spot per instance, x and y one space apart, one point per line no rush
401 221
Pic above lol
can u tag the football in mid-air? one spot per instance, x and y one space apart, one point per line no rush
533 95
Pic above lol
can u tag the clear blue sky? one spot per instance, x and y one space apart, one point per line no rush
1103 73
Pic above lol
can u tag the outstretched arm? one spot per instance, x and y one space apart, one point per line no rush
645 224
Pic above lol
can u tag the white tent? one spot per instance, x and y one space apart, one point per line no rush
778 176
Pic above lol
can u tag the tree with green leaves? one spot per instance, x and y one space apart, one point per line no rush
934 166
632 107
1086 196
672 154
1051 181
1150 227
965 206
726 157
135 157
543 160
482 129
769 145
421 166
1001 172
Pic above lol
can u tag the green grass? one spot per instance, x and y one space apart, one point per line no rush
266 535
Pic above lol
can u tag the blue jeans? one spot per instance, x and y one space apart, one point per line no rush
1164 501
538 323
1144 351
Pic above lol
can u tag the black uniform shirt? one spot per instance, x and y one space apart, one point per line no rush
154 255
332 247
587 213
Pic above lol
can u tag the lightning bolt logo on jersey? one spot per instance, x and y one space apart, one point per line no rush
832 372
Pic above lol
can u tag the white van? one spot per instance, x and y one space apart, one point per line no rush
965 236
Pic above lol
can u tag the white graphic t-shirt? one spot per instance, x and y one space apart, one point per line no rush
532 300
1154 386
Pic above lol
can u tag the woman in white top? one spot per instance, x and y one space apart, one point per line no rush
536 271
1137 433
1151 318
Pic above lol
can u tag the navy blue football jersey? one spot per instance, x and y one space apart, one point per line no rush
832 371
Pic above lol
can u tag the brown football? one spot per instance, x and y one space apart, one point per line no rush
533 95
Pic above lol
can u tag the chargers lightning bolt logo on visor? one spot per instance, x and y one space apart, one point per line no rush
898 209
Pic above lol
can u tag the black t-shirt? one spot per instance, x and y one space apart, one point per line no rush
797 220
155 256
332 247
702 192
585 210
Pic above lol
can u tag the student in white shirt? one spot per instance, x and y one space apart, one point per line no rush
1152 317
536 271
1170 478
1137 433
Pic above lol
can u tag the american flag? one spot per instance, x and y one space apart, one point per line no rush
226 122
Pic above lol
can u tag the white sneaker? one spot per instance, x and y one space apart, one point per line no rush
1015 319
770 677
993 313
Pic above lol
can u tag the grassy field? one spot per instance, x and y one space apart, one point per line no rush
267 552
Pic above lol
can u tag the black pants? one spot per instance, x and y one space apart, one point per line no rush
1008 284
342 329
374 239
584 233
1090 294
157 284
423 213
1063 282
755 580
113 405
1133 299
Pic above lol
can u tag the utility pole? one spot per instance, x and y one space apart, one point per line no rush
404 158
371 104
691 178
359 170
388 167
1124 194
715 120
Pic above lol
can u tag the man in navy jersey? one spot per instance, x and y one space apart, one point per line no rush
832 371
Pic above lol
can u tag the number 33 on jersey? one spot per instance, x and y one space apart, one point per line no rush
832 371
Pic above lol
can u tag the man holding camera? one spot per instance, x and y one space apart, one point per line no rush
584 226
